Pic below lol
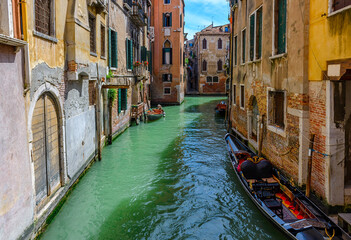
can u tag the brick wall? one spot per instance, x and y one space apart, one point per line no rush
317 104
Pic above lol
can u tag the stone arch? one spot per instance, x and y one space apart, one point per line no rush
46 136
167 44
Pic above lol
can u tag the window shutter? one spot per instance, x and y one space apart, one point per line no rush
236 51
116 49
281 26
119 100
109 47
252 36
244 46
163 55
124 99
131 53
164 19
150 61
170 20
259 47
143 54
113 49
127 53
171 61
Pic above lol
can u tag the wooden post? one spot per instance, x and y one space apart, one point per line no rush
110 103
309 168
260 144
98 112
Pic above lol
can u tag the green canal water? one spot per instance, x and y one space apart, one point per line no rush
169 179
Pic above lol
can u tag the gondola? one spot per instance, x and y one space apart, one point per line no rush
278 199
154 114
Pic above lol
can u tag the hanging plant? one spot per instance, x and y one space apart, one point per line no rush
109 75
137 64
146 63
112 94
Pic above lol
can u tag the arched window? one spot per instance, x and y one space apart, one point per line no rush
220 43
46 148
220 65
204 44
167 52
204 66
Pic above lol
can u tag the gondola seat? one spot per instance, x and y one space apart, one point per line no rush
276 206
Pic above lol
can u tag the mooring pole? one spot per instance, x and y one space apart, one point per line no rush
309 168
260 144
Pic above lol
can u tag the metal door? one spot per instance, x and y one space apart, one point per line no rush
46 153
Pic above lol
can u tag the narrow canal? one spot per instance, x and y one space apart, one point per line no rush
169 179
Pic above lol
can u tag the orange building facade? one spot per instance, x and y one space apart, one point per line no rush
168 82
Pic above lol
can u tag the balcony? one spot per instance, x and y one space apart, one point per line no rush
100 5
138 16
140 71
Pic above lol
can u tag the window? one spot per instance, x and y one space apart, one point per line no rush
92 26
204 43
276 108
236 50
234 94
226 29
220 43
339 4
167 53
181 20
210 79
44 17
112 48
243 46
256 35
129 54
167 20
102 38
242 96
279 42
167 77
219 65
204 66
167 1
122 100
167 91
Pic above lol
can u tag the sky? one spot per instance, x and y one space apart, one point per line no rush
200 13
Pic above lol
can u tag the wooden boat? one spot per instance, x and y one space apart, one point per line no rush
221 107
282 203
154 114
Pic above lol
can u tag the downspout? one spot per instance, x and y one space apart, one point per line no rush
24 19
229 109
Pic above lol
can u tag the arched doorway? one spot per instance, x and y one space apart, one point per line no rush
46 148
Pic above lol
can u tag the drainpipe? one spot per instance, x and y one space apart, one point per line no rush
24 19
230 100
98 112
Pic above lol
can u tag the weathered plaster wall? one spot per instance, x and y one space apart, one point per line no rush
81 140
16 190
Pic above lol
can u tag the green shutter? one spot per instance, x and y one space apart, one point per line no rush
116 53
114 49
259 47
143 54
252 36
119 101
131 54
244 46
170 20
281 26
150 61
109 47
124 99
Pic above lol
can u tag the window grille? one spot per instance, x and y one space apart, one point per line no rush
92 26
43 16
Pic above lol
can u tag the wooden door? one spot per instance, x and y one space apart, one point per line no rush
46 150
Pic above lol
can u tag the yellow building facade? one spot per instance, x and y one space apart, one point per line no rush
330 99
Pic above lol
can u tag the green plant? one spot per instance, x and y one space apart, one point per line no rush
109 75
112 94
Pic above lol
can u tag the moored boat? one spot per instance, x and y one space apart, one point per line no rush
155 114
285 205
221 107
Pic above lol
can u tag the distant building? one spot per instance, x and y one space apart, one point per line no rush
191 81
212 53
168 48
